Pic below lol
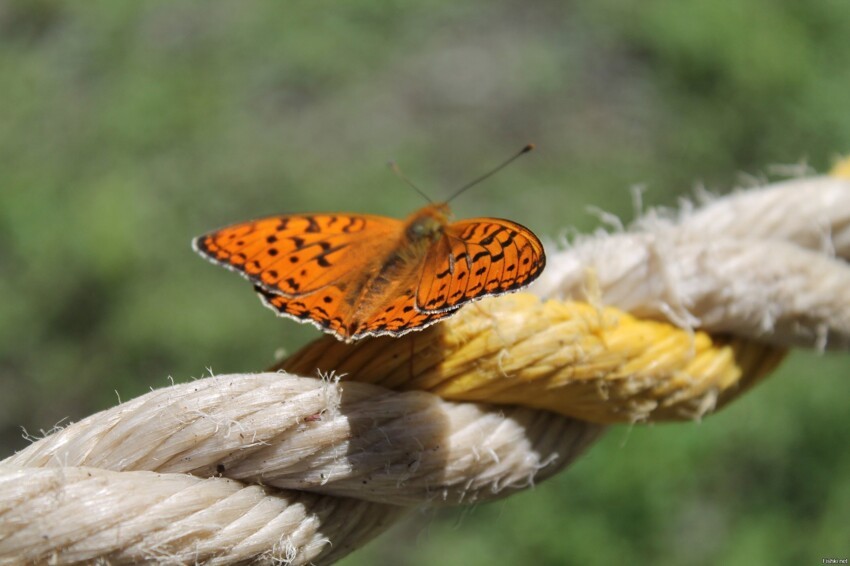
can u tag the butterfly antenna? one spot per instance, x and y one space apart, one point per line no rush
395 169
492 172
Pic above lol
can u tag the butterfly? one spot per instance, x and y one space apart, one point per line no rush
358 275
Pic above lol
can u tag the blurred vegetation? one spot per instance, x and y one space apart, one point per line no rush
128 128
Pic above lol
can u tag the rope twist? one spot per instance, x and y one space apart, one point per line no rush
668 321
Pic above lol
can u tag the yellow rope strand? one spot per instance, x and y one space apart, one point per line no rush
841 168
597 364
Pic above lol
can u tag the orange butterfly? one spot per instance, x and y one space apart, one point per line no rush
357 275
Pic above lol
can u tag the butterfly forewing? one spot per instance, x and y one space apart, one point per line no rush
299 254
476 258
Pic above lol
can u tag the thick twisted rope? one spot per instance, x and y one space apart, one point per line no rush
116 486
363 446
350 440
764 264
599 365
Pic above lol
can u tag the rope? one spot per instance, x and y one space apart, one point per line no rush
345 441
599 365
66 515
349 440
767 264
304 470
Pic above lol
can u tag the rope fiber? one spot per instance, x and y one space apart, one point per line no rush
667 321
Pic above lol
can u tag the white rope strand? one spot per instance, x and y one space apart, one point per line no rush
66 515
813 213
349 439
769 264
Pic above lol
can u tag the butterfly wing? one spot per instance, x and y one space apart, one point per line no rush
476 258
325 308
320 268
297 255
399 317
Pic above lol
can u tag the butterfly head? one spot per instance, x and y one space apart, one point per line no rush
427 224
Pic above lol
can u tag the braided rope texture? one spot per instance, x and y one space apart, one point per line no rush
667 321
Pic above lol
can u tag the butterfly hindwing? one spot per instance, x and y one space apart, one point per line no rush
400 316
476 258
325 308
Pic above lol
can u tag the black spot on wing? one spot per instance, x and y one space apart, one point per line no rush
479 255
319 313
354 224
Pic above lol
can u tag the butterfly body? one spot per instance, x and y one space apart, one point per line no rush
357 275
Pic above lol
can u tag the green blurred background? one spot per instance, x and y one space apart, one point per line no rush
128 128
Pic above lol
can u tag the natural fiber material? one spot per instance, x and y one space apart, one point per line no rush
65 515
350 439
768 264
599 365
746 271
841 169
83 484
